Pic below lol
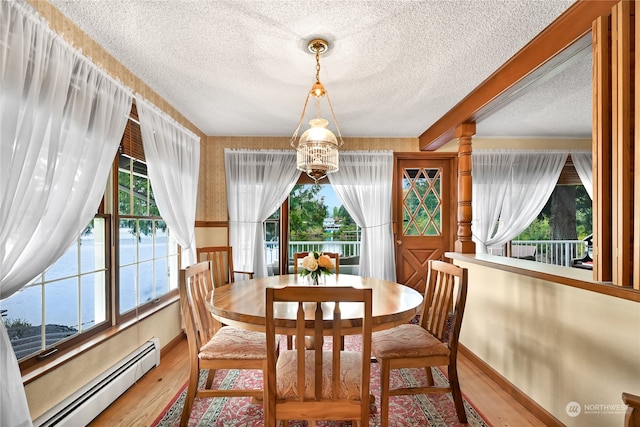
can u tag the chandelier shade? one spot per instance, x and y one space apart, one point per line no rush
317 147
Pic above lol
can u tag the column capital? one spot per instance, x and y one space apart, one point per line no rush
465 130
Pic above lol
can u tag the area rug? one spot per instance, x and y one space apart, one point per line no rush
404 411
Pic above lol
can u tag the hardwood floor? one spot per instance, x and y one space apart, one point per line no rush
146 400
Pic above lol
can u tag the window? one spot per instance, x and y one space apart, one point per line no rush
317 221
68 299
421 202
147 254
561 234
73 298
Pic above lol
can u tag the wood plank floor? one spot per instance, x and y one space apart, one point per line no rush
145 401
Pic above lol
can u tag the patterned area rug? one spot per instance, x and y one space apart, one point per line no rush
405 411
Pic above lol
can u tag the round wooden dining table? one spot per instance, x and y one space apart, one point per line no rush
242 304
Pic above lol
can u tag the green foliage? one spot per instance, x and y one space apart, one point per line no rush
306 212
346 222
17 328
540 228
584 213
135 198
16 323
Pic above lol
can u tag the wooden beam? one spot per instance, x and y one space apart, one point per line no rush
562 33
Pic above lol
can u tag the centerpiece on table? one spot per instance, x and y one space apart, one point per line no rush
316 264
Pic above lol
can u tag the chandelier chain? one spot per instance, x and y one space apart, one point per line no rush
318 64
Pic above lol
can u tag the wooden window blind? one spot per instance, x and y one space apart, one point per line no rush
131 143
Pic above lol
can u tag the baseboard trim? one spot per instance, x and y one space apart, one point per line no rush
171 344
518 395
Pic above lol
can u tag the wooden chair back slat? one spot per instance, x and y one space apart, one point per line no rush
443 293
221 258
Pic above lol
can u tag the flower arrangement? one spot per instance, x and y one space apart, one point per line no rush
315 264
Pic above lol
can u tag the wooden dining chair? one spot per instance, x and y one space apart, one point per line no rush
298 256
212 346
318 384
432 343
632 416
221 258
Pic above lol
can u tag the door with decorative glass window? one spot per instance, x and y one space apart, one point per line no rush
425 212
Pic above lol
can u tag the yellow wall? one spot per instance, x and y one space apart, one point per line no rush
556 343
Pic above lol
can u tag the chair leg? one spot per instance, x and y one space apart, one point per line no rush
289 342
192 388
385 373
210 375
455 391
429 373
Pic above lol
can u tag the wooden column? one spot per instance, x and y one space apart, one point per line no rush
622 133
636 162
464 133
601 140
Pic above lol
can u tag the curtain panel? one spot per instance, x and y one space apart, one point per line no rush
510 188
258 182
583 162
364 185
61 119
173 162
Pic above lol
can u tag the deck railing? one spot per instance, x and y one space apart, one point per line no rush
556 252
346 249
349 252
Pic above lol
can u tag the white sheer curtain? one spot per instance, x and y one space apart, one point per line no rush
61 120
363 183
173 163
529 183
258 181
582 161
491 179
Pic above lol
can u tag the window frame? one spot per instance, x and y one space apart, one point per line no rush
133 136
37 364
65 345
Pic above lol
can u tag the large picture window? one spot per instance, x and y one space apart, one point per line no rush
68 299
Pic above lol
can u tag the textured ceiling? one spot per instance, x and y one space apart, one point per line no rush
392 70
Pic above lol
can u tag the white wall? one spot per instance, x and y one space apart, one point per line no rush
556 343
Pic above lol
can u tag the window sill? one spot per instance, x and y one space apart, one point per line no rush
574 277
36 372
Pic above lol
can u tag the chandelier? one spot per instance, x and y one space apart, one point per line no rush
317 148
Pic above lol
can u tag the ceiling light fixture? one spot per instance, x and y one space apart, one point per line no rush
317 147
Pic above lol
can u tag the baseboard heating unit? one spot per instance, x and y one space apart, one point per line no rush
88 402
